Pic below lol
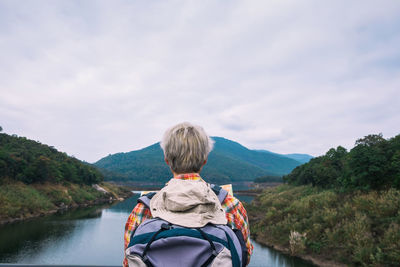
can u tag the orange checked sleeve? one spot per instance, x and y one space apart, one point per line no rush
237 219
139 214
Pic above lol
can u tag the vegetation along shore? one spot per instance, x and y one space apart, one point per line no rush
36 179
342 208
19 201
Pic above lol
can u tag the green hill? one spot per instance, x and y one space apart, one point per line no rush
228 162
343 206
36 179
29 162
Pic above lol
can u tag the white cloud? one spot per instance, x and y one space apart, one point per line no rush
99 77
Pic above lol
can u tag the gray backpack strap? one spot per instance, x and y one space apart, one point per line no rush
145 199
220 192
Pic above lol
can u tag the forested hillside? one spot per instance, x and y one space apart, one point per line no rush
228 162
342 206
36 179
273 163
30 162
373 163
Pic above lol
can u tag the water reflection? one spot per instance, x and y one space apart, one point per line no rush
21 237
125 206
30 241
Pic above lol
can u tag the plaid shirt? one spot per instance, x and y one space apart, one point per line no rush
235 214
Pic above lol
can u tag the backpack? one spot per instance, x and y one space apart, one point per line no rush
157 242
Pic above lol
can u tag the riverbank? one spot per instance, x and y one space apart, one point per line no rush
19 201
327 227
310 258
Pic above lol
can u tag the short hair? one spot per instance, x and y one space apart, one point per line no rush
186 147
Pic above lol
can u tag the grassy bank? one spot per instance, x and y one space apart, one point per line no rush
19 201
351 228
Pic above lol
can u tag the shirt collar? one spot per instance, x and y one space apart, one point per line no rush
189 176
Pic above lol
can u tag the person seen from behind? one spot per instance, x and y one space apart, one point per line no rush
186 148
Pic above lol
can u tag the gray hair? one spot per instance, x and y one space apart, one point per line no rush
186 147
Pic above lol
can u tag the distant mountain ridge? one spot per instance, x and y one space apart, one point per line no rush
302 158
229 161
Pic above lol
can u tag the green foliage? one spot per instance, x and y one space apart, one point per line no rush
19 200
389 248
82 195
28 161
356 228
56 193
374 163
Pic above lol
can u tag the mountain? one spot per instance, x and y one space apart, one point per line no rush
228 162
303 158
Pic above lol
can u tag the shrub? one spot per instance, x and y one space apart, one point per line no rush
297 242
18 199
389 248
356 229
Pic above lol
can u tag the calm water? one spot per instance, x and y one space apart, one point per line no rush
89 236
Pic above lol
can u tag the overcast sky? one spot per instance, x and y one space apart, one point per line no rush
98 77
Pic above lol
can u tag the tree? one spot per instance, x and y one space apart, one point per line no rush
373 163
370 140
368 162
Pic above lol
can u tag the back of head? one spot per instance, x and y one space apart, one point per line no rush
186 147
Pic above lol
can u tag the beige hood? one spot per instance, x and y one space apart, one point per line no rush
187 203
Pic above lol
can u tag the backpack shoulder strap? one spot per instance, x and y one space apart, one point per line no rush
220 192
145 199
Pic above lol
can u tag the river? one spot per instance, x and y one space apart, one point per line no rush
90 236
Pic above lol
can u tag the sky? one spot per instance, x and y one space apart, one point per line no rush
93 78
